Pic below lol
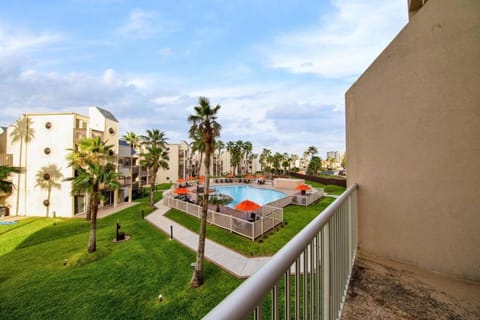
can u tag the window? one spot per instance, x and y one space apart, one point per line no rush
78 204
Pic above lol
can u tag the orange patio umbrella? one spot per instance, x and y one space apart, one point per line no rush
230 175
180 180
247 205
191 178
181 191
249 176
260 177
201 178
303 188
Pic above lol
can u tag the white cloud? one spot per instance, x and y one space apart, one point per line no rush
13 40
343 44
141 24
282 116
17 44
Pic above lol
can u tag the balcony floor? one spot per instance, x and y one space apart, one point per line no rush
383 289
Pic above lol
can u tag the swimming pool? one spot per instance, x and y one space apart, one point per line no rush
240 193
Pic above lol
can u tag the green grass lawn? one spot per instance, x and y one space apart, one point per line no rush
330 188
119 281
296 217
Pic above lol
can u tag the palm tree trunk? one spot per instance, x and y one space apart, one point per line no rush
88 214
92 238
18 180
130 193
198 276
152 187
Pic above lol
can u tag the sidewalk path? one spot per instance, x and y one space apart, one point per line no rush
229 260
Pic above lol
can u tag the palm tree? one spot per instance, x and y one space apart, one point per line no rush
236 154
218 201
6 186
264 156
311 151
247 150
220 146
154 157
276 161
22 131
134 141
204 123
94 173
47 178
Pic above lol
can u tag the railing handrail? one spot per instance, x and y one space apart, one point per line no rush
257 286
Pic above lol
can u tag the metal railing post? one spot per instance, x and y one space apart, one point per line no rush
326 271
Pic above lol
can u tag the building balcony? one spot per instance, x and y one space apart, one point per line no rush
79 134
6 159
320 274
308 278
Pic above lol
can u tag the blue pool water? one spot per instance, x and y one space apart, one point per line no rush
8 222
240 193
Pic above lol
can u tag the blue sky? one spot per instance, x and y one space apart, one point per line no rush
279 69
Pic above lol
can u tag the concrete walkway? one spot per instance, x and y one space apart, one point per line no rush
227 259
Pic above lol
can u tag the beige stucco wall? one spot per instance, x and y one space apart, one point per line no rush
413 142
58 138
170 174
287 184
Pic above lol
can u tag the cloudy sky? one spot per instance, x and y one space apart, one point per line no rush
279 69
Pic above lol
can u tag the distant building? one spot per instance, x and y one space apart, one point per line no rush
178 165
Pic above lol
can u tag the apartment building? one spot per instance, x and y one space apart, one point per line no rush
412 129
178 164
335 155
40 146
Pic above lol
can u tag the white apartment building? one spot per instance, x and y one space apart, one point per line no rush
336 155
40 190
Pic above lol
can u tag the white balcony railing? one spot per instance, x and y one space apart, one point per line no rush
308 278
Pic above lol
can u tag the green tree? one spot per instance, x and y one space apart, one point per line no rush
331 163
204 123
23 132
154 157
47 178
219 146
277 159
134 141
6 186
264 158
236 155
218 201
247 152
314 166
94 173
311 151
286 162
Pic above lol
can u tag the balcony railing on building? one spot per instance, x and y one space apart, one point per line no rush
308 278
